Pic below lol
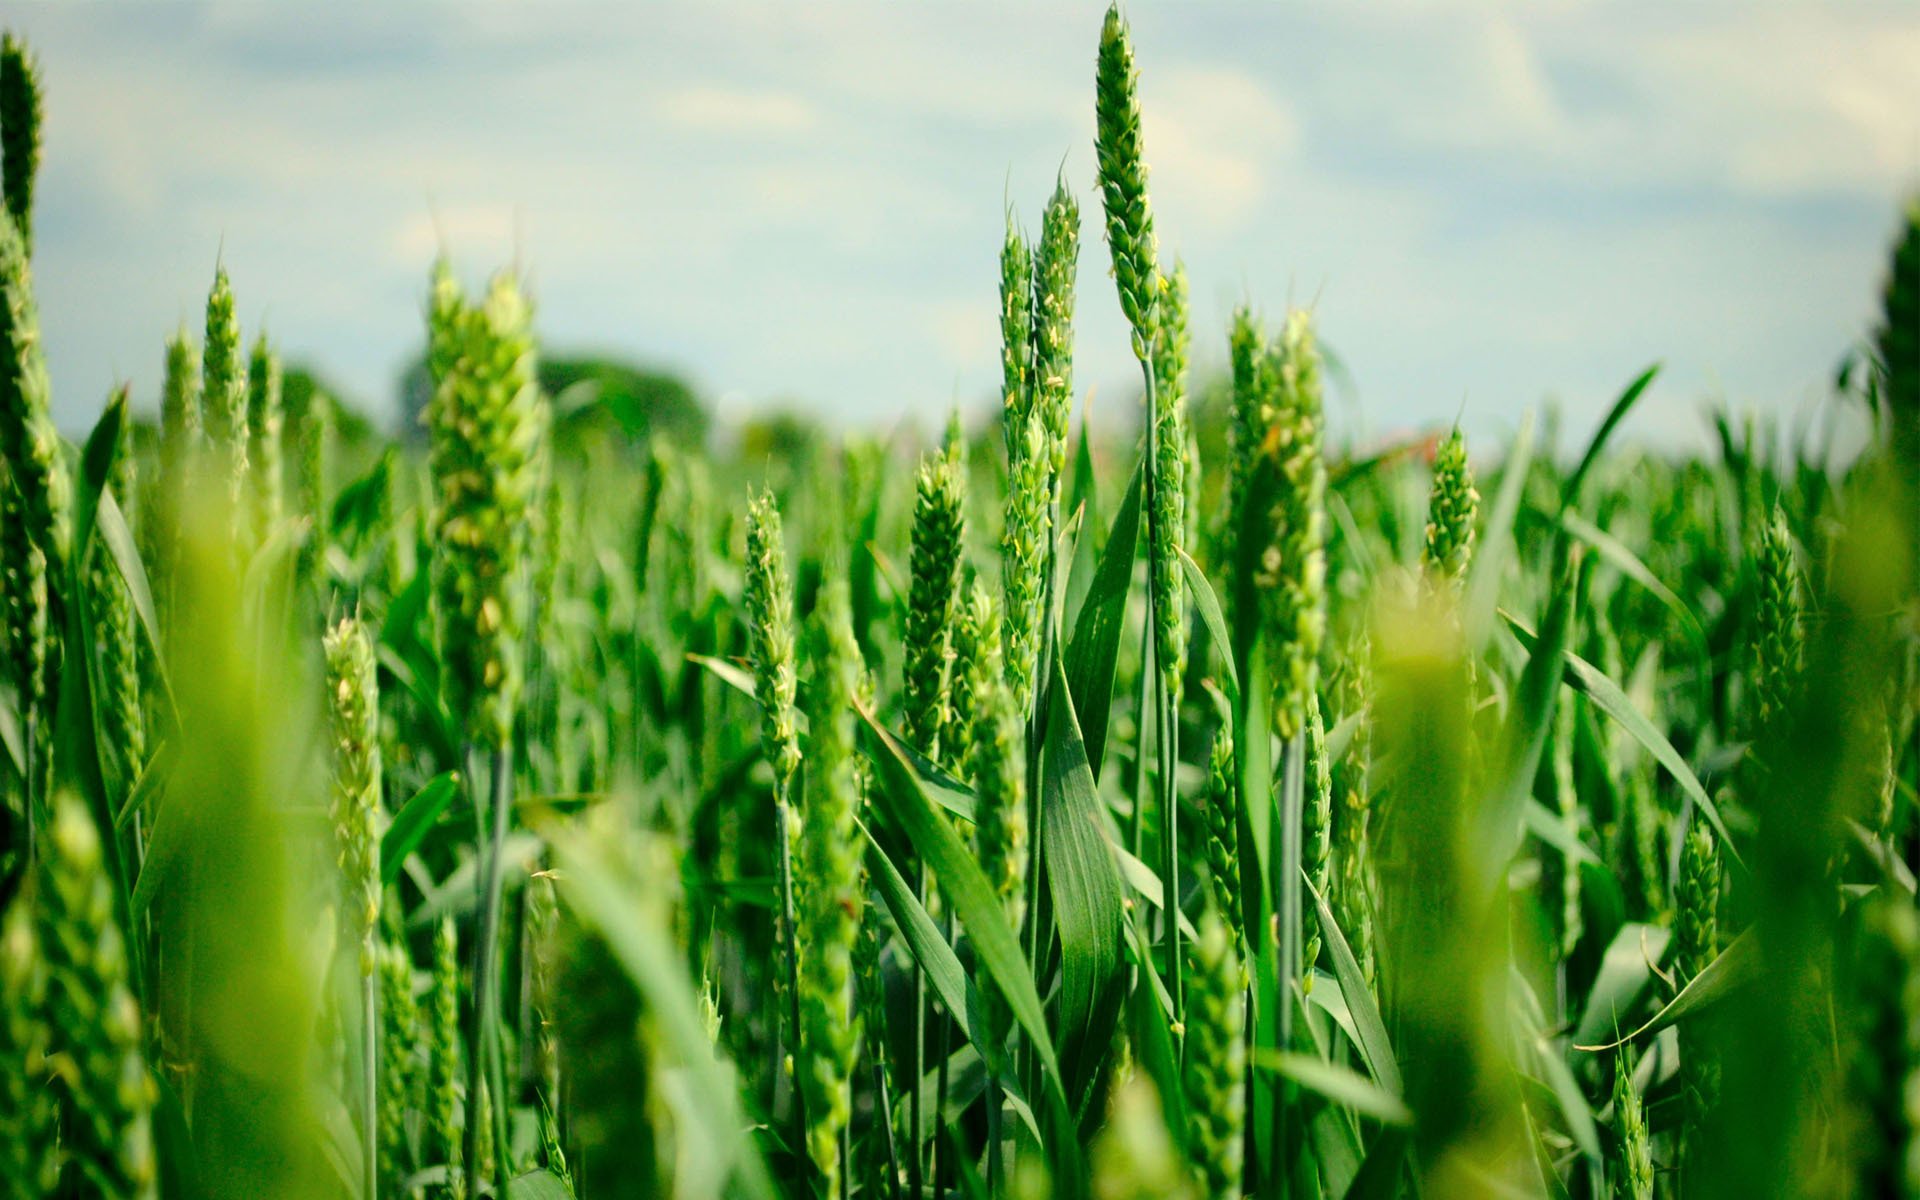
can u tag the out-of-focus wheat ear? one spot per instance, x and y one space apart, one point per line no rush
933 601
29 1117
1292 568
1696 938
19 132
1133 1156
1216 1059
1452 511
830 903
316 461
1778 637
1123 181
223 376
1898 342
401 1093
1056 266
182 438
444 1118
265 430
1882 1051
1633 1163
98 1036
1560 879
353 723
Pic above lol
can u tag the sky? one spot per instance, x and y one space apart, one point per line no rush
1487 206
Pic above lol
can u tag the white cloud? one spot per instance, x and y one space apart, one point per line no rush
709 109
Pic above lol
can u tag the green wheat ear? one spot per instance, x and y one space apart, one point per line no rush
1056 265
768 599
997 765
1024 548
976 623
353 711
487 427
1123 181
1292 568
117 633
1452 510
443 1096
933 600
1169 490
401 1093
19 132
29 441
1316 835
1016 329
1696 941
1223 837
1216 1059
832 898
1634 1166
224 391
97 1030
1778 639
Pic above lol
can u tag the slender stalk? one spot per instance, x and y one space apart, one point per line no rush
1136 833
486 1064
1168 718
370 1086
1287 904
490 947
782 804
917 1062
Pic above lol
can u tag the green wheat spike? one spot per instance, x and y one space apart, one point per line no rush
1292 567
444 1069
1223 838
224 392
1169 491
1316 835
1633 1168
933 601
1452 510
1123 181
19 132
1056 264
830 863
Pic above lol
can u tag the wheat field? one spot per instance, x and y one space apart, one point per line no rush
1206 809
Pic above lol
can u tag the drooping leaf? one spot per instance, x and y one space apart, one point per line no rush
413 821
1094 650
